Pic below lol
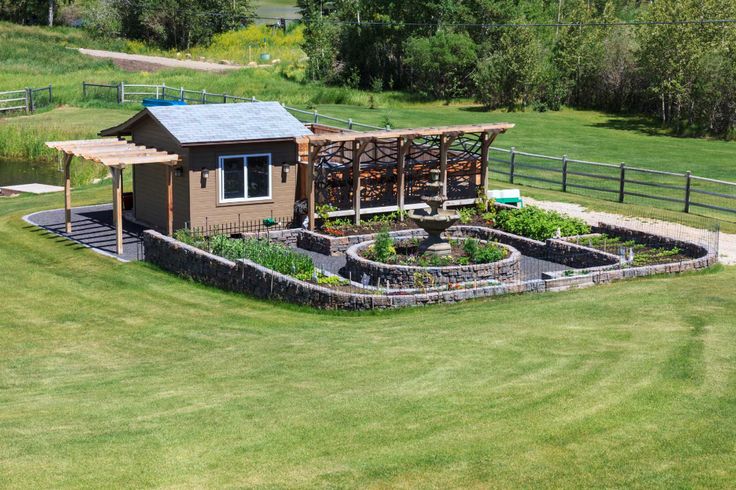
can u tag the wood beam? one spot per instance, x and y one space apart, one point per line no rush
416 132
170 200
117 208
485 144
68 192
358 149
313 152
122 160
446 139
403 145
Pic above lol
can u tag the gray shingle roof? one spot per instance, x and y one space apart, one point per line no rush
210 123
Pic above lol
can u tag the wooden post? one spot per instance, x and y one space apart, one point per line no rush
121 92
622 183
84 90
204 96
311 195
169 200
357 153
512 165
51 95
29 94
688 187
443 162
485 144
564 173
402 145
68 191
117 208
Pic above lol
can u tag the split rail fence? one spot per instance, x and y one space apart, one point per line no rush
624 183
127 92
27 99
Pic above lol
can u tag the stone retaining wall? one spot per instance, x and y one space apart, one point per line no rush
652 240
244 276
405 276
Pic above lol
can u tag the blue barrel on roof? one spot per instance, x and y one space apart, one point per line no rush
161 102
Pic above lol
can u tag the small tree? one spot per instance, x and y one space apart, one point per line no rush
509 75
441 65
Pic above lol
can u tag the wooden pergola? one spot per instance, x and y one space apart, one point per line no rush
116 154
403 139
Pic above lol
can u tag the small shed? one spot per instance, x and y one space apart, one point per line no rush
238 163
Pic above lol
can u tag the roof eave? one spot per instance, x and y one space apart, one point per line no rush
241 142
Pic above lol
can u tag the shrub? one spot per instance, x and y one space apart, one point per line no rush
538 224
466 215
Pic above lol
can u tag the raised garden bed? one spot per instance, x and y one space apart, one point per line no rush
634 253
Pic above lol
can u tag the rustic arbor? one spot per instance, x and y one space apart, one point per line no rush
387 170
116 155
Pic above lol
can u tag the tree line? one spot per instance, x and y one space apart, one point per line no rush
170 24
683 74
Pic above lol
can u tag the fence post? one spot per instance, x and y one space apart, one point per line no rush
163 90
224 98
30 106
688 185
316 117
121 92
158 92
84 90
51 97
512 164
350 123
181 94
564 173
204 96
622 182
253 99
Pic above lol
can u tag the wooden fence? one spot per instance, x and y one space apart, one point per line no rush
27 99
127 92
623 183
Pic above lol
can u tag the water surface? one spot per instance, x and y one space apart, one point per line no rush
14 172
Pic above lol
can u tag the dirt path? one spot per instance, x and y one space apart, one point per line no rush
727 243
142 62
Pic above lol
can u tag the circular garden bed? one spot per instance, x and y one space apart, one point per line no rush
409 270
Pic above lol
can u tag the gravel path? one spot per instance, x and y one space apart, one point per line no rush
158 61
726 246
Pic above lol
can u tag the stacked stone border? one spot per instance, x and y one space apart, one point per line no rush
244 276
403 276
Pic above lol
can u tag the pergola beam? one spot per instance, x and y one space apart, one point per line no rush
413 133
116 154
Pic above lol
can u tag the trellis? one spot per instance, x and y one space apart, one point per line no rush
390 169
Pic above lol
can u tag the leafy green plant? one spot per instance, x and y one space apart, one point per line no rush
272 255
539 224
466 215
331 280
482 253
383 248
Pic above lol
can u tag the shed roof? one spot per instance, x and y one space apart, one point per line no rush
221 123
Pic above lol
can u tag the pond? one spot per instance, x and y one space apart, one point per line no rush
14 172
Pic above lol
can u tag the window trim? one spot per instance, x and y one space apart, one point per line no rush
221 178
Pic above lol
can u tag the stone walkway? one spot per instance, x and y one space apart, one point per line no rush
92 228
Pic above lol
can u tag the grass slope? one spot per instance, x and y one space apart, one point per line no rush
121 375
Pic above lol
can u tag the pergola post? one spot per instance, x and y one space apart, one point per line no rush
443 161
311 194
357 153
68 191
170 200
485 144
117 207
403 145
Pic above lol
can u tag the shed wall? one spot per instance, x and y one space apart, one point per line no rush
206 208
149 181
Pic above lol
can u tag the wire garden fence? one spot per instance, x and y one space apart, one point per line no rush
242 227
619 182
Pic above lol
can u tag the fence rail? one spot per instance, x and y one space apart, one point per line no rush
27 99
673 190
130 92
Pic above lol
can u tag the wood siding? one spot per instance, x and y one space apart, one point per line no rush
206 210
149 181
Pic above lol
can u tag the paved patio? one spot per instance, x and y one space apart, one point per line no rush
92 227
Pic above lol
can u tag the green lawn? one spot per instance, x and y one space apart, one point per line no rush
120 375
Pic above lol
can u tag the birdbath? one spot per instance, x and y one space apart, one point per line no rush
436 220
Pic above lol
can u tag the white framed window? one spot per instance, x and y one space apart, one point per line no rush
245 177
